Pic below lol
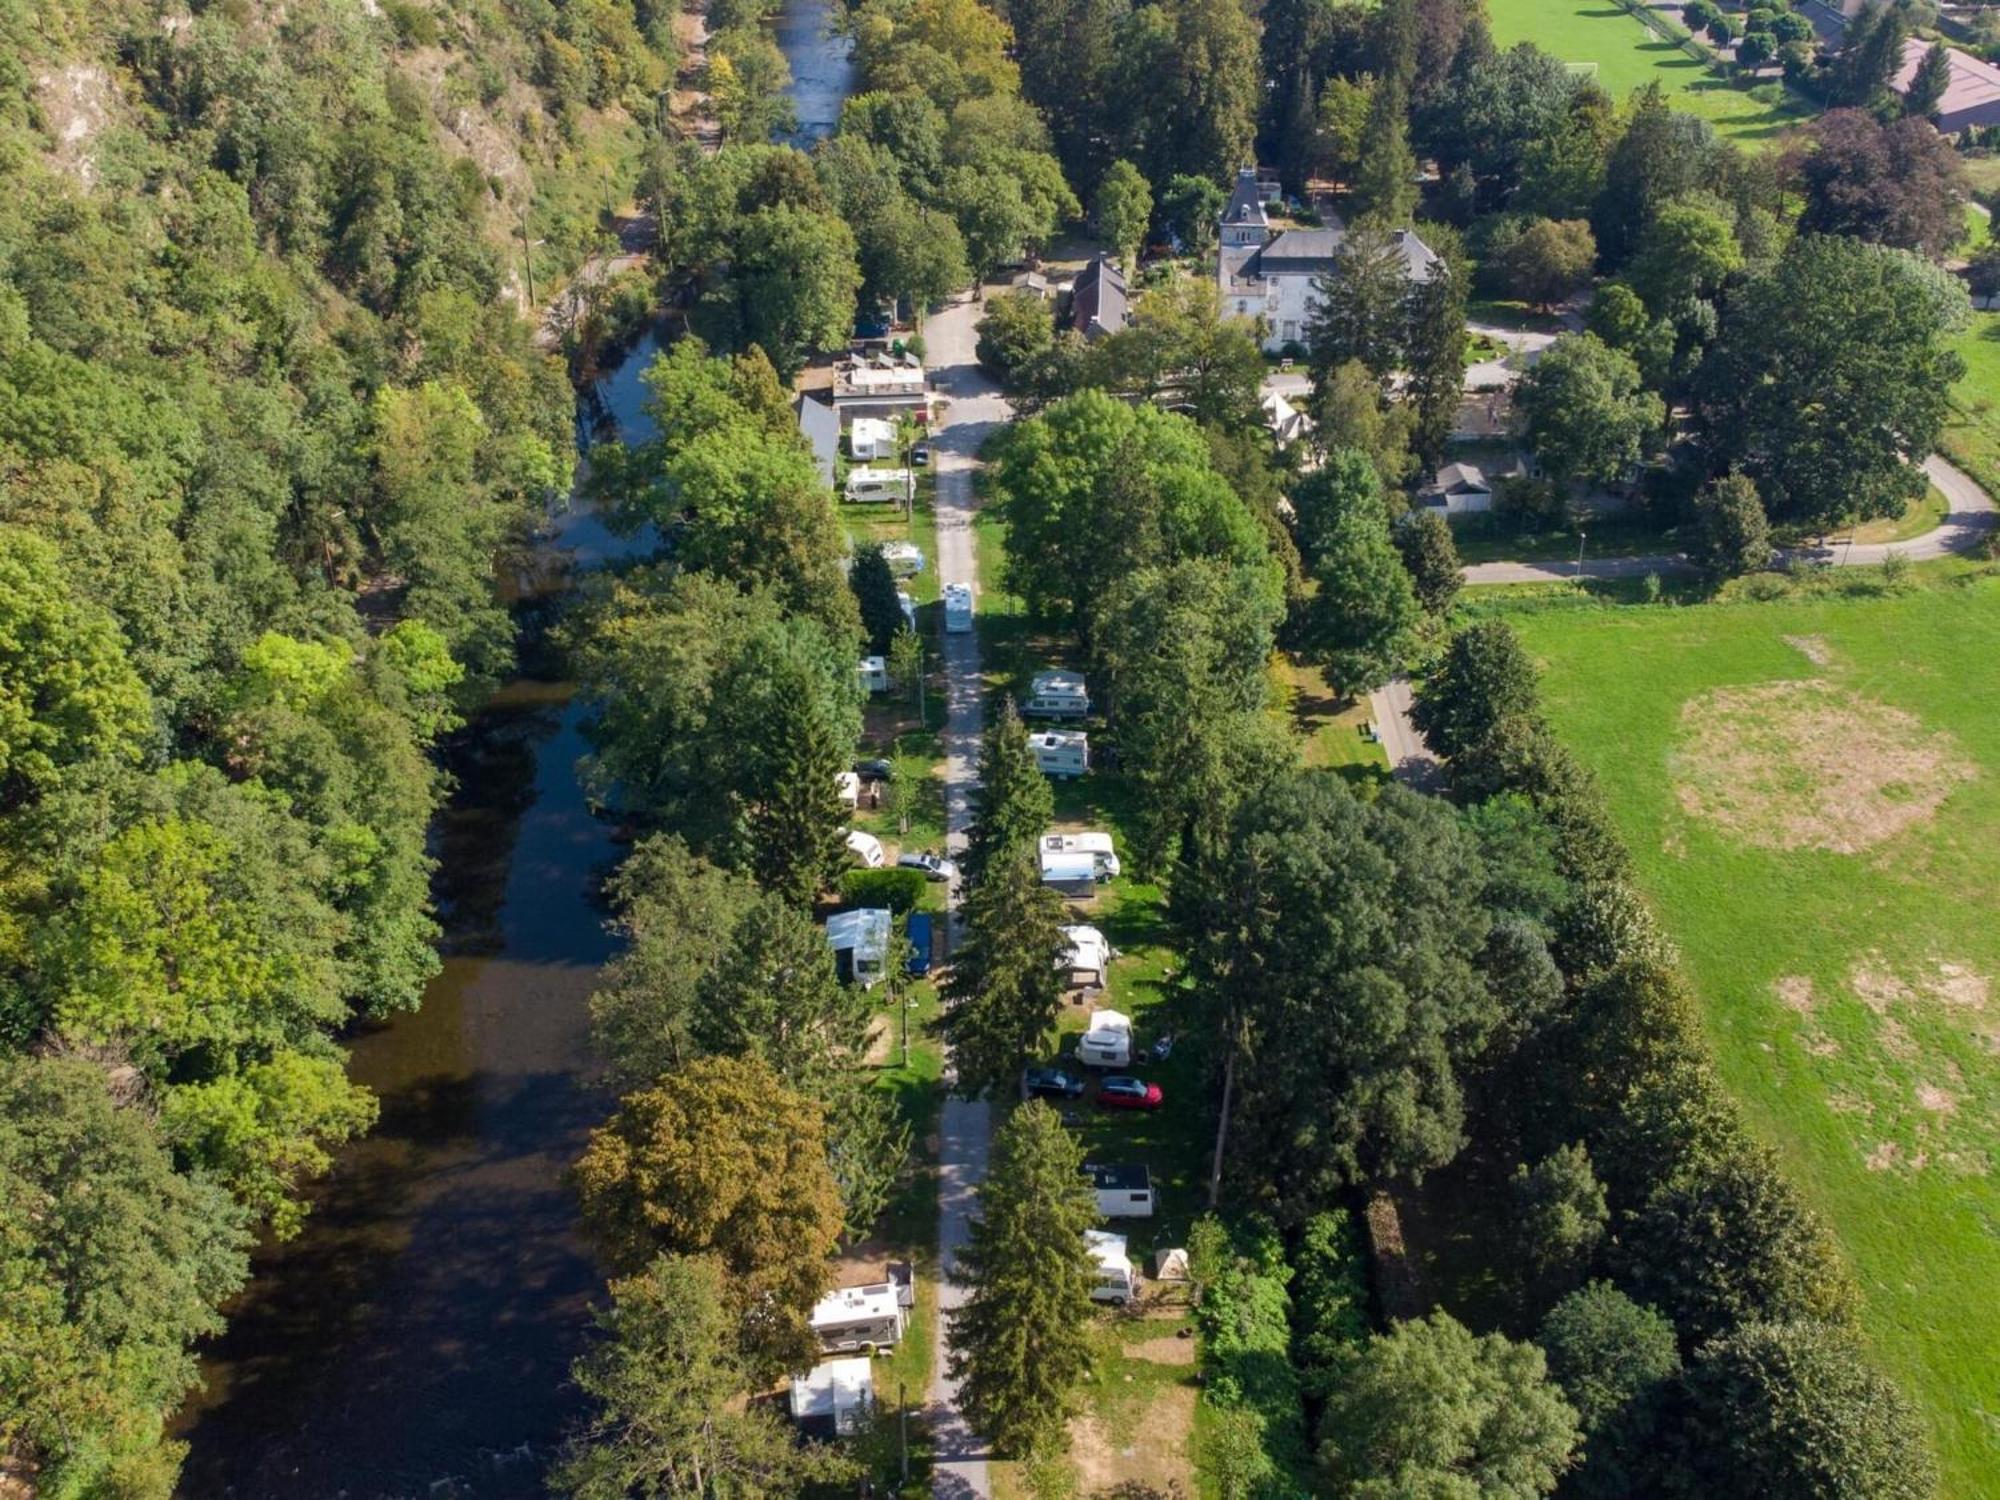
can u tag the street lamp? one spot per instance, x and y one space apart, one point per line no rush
1579 553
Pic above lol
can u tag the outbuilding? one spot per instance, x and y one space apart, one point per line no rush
1459 489
832 1400
860 943
1124 1189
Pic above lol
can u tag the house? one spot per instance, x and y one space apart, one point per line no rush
1107 1041
1124 1191
1264 275
863 1319
880 385
1104 860
874 674
957 608
819 425
832 1400
1056 695
1097 303
1088 957
1115 1281
1287 423
1971 93
1061 753
1458 490
1034 283
864 848
871 438
860 943
875 486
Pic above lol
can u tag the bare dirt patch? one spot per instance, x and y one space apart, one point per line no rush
1885 1155
1157 1453
1808 765
1167 1351
1812 647
1796 993
1938 1101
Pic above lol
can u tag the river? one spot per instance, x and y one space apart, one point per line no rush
415 1339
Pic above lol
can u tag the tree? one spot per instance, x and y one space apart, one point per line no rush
1834 328
1124 209
1385 183
1559 1210
1431 559
796 276
1549 260
1583 411
1927 85
1021 1342
906 663
1014 329
1871 52
1613 1359
875 592
1793 1408
1430 1409
1005 991
1687 251
1012 802
1731 534
1484 680
908 250
1663 155
1363 615
1434 343
1329 1301
1191 207
1179 346
667 1385
1359 307
1348 415
1186 88
1900 184
1341 124
1757 49
721 1159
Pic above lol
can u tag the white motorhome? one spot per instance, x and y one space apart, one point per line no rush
1056 695
848 785
860 943
1070 873
905 559
879 486
1104 858
1107 1042
1115 1282
1061 753
860 1319
1124 1190
864 849
1088 957
957 608
832 1399
874 674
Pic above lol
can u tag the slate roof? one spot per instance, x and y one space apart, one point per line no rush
1097 303
1246 203
1310 252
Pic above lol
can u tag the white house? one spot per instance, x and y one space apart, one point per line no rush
874 674
830 1400
1459 489
1115 1281
1124 1190
1056 695
1088 957
860 1319
860 943
1287 423
1107 1042
876 486
1104 860
1061 753
1270 275
871 438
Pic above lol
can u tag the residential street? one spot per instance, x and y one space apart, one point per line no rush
973 408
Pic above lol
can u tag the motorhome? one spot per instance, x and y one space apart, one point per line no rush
874 674
957 608
1107 1042
1088 955
832 1400
861 1319
905 559
1061 753
1114 1281
1124 1190
864 849
860 943
1056 695
879 486
1097 845
1071 873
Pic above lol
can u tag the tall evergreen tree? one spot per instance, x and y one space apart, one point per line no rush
1014 803
1005 990
1434 347
1359 312
1430 555
875 591
1385 187
1933 76
1021 1342
1359 622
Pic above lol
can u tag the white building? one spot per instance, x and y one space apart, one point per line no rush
860 943
860 1319
1061 753
1124 1189
1116 1282
831 1400
887 385
874 674
1267 275
1057 695
1107 1043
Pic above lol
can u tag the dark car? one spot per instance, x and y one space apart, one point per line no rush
1051 1083
919 929
934 866
920 455
1121 1092
875 770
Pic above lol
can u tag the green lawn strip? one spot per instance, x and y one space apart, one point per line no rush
1329 728
1840 1085
1972 433
1494 538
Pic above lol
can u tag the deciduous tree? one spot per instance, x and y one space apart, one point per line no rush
1613 1359
1484 679
1900 184
1362 617
1732 536
1124 208
1584 412
1431 558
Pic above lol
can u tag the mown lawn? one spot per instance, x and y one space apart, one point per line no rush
1972 433
1629 56
1852 998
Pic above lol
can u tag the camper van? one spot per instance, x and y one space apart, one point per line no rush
957 609
1115 1281
1063 754
1087 957
1107 1043
1056 695
1124 1191
860 1319
880 486
1097 845
860 944
864 849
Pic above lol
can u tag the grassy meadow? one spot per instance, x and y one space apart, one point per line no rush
1811 790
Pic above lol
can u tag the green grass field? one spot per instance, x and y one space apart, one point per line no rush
1629 56
1811 790
1972 434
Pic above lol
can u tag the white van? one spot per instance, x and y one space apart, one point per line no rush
957 609
880 486
1056 695
864 849
1115 1281
1097 845
1107 1042
1064 754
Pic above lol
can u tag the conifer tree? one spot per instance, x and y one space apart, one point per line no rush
1021 1342
1385 186
875 591
1015 803
1430 554
1005 990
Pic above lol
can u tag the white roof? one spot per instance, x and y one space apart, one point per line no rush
873 664
891 377
1057 685
1087 948
856 478
892 551
957 596
855 1304
1068 864
1059 739
840 1389
848 785
1107 1249
1087 843
1108 1026
865 931
872 430
860 841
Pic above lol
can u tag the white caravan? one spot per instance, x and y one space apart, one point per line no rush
1088 957
831 1400
1056 695
864 849
1061 753
860 944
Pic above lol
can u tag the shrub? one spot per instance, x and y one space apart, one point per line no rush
899 890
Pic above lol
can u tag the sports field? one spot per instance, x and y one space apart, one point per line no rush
1811 790
1629 56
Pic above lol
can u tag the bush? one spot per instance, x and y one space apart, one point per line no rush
1329 1301
1244 1318
899 890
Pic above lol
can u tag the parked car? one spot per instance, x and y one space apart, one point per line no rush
1051 1083
875 770
919 929
920 455
934 866
1122 1092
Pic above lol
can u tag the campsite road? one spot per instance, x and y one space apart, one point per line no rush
972 409
1410 759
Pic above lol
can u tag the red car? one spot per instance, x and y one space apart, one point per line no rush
1129 1093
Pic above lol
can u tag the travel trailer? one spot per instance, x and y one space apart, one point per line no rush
1061 753
861 1319
874 674
1056 695
957 609
1096 845
871 438
879 486
908 606
848 785
1107 1043
860 943
1115 1282
1124 1191
864 849
905 559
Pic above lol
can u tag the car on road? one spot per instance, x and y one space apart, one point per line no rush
920 456
1051 1083
934 866
875 770
1122 1092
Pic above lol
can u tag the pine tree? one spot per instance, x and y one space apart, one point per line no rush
875 591
1005 990
1431 557
1434 349
1021 1342
1927 88
1014 800
1385 187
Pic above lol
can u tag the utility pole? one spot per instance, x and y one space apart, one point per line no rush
527 255
903 1431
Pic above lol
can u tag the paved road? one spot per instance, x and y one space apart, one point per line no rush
1970 518
1410 759
973 409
